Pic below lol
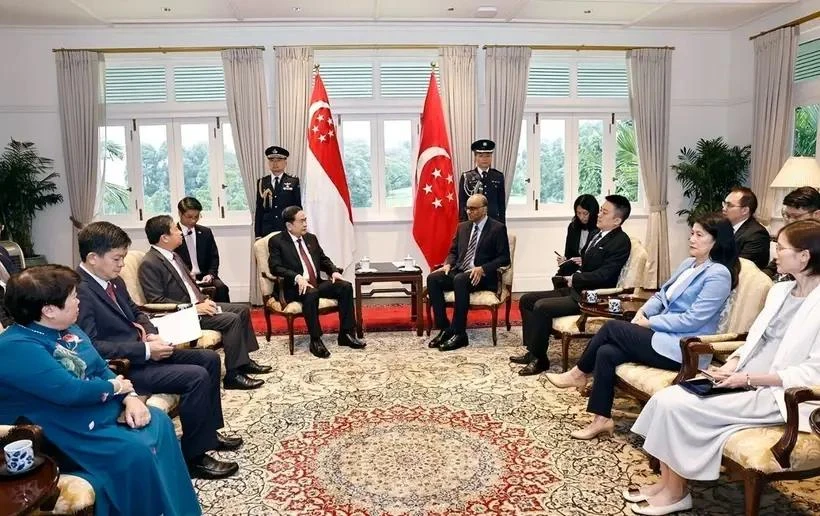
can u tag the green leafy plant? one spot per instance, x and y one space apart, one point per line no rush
26 187
708 172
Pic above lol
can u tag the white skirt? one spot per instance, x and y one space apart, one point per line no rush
688 433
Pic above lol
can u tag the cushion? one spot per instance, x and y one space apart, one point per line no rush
633 270
261 253
76 494
296 307
478 298
646 379
746 300
130 275
751 448
507 276
210 339
164 402
567 324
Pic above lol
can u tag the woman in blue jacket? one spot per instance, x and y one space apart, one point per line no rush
690 303
51 375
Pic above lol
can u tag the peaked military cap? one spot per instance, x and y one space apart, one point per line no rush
276 152
483 146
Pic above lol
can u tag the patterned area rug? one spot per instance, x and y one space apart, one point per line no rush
398 429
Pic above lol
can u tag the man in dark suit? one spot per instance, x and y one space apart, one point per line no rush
799 204
297 256
274 193
198 250
605 256
480 246
118 329
751 237
165 279
485 180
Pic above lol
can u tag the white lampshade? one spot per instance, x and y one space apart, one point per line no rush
797 172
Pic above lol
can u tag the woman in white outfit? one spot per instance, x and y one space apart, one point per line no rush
687 433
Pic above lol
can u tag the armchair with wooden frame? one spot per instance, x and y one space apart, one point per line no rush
489 300
572 327
273 295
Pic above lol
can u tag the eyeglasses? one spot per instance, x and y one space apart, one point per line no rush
730 205
791 216
778 248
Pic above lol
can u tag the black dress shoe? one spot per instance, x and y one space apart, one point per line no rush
228 443
438 339
458 340
317 347
535 367
524 359
208 467
350 340
255 368
242 382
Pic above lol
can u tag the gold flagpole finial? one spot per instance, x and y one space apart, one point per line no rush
433 65
316 68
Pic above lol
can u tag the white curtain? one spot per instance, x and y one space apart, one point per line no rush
248 111
506 74
81 95
650 90
773 115
458 94
294 74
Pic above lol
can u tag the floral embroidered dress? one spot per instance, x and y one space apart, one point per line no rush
57 380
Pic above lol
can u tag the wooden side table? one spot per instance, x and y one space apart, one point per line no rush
29 492
601 309
387 272
814 421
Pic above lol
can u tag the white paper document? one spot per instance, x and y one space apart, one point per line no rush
178 327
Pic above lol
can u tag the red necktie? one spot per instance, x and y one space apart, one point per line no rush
308 263
187 279
109 289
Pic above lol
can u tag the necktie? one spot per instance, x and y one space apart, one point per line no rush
308 263
109 289
597 238
187 279
276 183
470 254
191 245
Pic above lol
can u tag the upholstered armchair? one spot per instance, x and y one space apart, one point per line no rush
15 252
489 300
273 295
741 309
630 282
210 339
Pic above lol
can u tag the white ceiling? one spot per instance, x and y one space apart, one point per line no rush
704 14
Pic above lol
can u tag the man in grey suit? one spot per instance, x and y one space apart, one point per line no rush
166 279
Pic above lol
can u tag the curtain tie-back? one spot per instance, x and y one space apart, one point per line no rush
657 208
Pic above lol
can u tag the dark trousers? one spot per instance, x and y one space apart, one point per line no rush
616 343
238 337
459 283
221 291
341 291
538 309
194 374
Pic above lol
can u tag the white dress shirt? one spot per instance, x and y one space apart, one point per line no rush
190 243
170 257
735 227
104 284
481 223
304 265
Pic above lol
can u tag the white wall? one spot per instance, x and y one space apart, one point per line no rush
703 96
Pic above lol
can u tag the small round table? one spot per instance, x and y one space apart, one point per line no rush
601 309
28 492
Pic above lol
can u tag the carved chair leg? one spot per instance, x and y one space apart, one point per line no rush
268 331
565 341
494 311
507 311
290 334
429 311
752 489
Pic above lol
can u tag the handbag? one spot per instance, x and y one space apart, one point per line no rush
704 388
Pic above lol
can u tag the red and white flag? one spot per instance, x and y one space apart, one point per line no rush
435 212
327 198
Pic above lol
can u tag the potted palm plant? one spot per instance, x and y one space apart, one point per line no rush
26 187
708 172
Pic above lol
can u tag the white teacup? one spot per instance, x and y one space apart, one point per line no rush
364 263
592 297
409 262
614 305
19 455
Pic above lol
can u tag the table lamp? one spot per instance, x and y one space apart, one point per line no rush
797 172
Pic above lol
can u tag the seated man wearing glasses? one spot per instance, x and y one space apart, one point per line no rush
751 237
800 204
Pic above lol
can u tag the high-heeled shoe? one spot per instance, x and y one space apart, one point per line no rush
684 504
591 432
565 381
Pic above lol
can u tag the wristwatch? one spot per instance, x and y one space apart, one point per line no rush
749 382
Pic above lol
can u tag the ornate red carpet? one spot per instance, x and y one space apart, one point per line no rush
378 318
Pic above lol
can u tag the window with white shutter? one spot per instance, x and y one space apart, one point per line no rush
199 83
135 84
605 80
548 80
348 81
807 63
404 80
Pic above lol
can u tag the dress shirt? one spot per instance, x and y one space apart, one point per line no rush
304 265
104 284
481 223
735 227
170 257
190 243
